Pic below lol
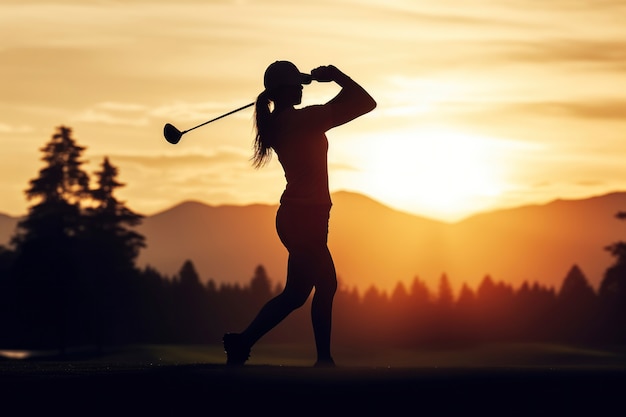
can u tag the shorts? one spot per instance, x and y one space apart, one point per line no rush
303 227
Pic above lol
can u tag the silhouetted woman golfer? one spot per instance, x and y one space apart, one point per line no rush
298 138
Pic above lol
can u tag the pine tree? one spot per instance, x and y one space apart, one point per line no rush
45 242
613 287
445 296
260 286
110 248
59 189
576 289
576 302
111 221
191 313
618 249
612 292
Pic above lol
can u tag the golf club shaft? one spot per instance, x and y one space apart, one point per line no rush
219 117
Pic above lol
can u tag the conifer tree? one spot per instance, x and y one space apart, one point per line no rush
58 191
260 286
110 248
576 301
618 249
612 292
45 242
445 296
111 221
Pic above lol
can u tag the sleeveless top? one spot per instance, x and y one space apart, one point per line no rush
300 143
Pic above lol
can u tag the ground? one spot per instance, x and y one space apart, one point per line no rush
511 380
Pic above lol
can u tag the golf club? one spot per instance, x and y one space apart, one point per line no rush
173 135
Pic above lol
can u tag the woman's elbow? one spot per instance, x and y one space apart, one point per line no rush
369 104
373 104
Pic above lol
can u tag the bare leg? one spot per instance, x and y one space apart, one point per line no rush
303 230
322 306
297 289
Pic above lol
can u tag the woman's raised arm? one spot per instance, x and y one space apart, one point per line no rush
351 102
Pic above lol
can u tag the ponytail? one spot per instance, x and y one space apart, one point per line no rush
262 119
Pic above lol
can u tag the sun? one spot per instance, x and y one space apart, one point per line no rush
439 173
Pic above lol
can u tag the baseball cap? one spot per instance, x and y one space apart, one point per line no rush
283 73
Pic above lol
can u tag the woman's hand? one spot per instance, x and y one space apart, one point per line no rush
325 73
351 102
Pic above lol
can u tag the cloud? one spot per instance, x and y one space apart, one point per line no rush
101 116
593 109
608 53
138 115
186 111
127 107
575 110
15 129
186 162
544 72
222 177
590 183
458 17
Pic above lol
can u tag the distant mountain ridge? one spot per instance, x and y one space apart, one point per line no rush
373 244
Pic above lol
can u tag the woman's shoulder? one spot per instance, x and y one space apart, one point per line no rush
301 112
317 114
312 108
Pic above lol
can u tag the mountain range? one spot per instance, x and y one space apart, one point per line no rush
373 244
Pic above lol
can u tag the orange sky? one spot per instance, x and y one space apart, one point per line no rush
482 104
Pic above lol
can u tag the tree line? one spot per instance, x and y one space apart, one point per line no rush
69 278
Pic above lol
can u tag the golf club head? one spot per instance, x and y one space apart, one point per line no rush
172 135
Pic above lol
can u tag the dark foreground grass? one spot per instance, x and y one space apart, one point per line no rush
505 380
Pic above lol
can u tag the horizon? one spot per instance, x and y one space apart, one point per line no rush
373 199
534 243
481 107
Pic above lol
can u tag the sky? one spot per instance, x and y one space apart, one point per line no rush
482 104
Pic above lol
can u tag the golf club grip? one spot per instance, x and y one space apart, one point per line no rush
219 117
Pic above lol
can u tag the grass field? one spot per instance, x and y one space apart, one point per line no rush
504 380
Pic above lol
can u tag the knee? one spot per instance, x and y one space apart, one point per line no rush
294 300
327 287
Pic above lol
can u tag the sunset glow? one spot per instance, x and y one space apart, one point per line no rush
481 106
440 173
